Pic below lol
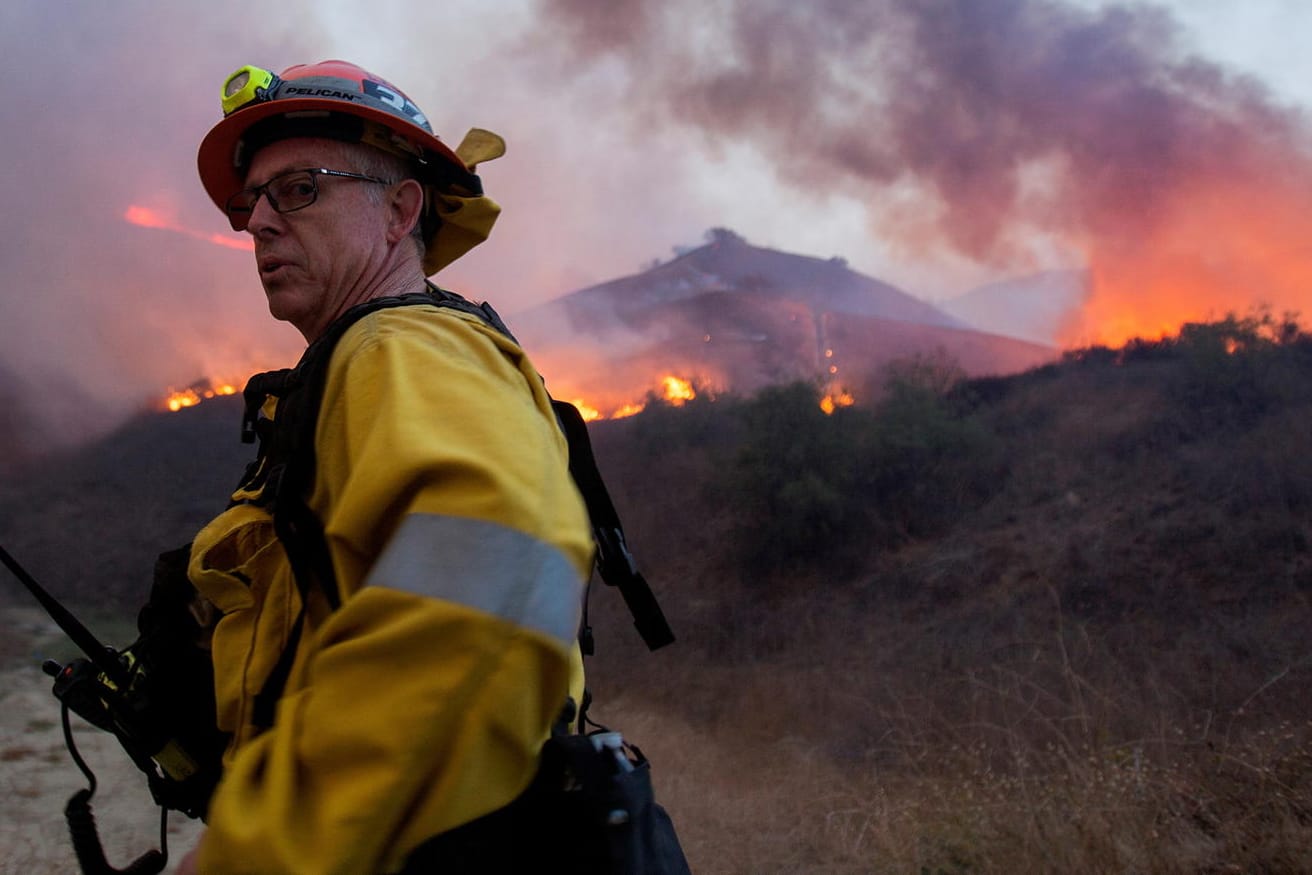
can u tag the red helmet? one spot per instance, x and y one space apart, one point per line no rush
332 99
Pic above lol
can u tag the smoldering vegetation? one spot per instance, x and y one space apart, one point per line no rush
1054 621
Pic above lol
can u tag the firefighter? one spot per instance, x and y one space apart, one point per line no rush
421 679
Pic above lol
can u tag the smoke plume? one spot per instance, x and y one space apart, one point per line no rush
1002 131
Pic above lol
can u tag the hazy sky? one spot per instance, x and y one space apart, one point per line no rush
936 145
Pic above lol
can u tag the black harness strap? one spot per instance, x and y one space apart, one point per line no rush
283 475
615 563
286 464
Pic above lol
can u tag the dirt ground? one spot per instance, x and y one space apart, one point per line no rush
37 776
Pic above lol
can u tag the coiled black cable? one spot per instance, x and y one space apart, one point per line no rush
82 824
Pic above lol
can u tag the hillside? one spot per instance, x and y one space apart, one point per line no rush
89 522
729 263
738 317
1048 622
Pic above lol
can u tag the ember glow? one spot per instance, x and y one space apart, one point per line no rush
1224 248
626 410
201 390
673 390
145 217
678 391
835 399
588 412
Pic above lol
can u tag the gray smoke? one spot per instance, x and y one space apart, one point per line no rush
989 128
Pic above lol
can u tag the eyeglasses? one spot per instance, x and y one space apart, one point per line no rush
287 193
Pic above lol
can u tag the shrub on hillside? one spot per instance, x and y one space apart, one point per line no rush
792 481
664 426
927 459
1235 370
812 490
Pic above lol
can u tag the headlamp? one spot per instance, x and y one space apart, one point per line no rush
246 86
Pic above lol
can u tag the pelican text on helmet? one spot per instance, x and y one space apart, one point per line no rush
320 92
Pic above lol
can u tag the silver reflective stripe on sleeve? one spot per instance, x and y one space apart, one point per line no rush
485 566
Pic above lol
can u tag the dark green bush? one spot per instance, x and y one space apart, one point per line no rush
663 426
926 459
1234 371
791 481
812 490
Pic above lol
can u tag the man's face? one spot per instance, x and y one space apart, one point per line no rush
316 262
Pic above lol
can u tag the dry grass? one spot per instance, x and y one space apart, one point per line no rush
760 803
852 744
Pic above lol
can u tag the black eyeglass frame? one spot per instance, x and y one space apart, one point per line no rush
240 216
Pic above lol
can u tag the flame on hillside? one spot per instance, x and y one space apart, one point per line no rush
201 390
835 399
677 391
1216 249
672 389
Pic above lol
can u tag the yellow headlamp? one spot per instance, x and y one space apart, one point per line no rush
247 85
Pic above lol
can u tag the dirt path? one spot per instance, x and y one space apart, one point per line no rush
37 776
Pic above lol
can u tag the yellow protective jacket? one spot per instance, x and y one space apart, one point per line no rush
461 548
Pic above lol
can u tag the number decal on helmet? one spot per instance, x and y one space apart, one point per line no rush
397 101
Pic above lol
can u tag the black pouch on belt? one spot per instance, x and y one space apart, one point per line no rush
590 811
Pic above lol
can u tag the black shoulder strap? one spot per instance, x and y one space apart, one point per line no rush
286 464
286 460
615 563
283 475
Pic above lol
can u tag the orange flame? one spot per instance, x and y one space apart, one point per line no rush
628 410
201 390
836 399
145 217
587 411
678 391
178 400
674 390
1231 237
